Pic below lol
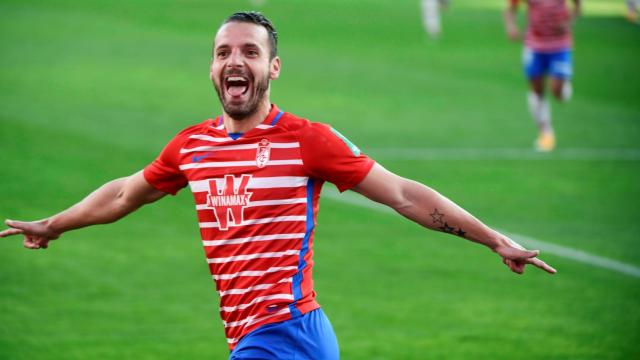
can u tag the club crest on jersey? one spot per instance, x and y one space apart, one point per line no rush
229 202
263 153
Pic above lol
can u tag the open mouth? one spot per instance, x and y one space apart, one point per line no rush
236 85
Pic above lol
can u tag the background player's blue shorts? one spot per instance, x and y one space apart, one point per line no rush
557 64
309 337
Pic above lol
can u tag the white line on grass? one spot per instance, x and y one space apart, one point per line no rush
562 251
584 154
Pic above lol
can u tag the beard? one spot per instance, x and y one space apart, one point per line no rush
248 108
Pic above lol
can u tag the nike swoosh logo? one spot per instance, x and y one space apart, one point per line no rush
197 158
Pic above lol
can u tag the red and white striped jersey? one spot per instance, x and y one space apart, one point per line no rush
549 25
257 200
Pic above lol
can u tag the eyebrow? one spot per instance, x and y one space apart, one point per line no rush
249 44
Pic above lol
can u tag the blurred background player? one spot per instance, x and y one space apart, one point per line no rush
431 16
632 10
547 53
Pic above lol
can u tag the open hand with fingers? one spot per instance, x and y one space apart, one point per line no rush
37 234
516 258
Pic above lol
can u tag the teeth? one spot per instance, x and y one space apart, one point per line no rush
236 78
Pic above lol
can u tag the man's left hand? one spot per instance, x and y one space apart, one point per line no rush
517 258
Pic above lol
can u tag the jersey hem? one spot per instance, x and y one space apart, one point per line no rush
547 50
303 309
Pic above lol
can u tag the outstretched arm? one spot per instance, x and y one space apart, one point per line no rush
510 23
107 204
428 208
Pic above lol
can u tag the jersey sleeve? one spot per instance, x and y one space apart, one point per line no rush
328 155
164 172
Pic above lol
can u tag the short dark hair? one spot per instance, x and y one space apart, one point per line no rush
257 18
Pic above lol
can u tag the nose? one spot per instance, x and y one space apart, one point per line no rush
235 59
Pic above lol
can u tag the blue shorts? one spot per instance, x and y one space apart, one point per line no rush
556 64
308 337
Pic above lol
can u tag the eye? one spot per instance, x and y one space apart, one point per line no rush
221 54
252 53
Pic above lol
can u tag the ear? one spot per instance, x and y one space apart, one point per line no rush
274 68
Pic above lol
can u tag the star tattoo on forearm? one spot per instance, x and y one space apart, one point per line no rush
438 218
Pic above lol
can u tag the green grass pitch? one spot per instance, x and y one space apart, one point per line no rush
92 90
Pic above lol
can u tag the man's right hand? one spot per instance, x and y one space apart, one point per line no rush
107 204
37 234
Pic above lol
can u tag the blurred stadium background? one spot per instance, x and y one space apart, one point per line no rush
92 90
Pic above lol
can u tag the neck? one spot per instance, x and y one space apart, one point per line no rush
241 126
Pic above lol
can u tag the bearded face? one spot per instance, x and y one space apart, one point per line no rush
240 92
241 69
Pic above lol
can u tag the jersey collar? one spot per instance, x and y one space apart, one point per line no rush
271 120
273 116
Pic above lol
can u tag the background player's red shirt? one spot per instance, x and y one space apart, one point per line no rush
548 25
257 201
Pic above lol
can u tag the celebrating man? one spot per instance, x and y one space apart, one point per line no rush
256 173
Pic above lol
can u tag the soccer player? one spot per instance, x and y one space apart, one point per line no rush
431 16
547 54
256 173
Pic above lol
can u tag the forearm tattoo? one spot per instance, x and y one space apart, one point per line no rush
440 222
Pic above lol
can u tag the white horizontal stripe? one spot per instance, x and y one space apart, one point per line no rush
275 254
263 203
255 301
263 126
252 288
253 273
237 163
214 224
252 319
240 147
252 238
277 202
275 219
254 183
558 250
210 138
